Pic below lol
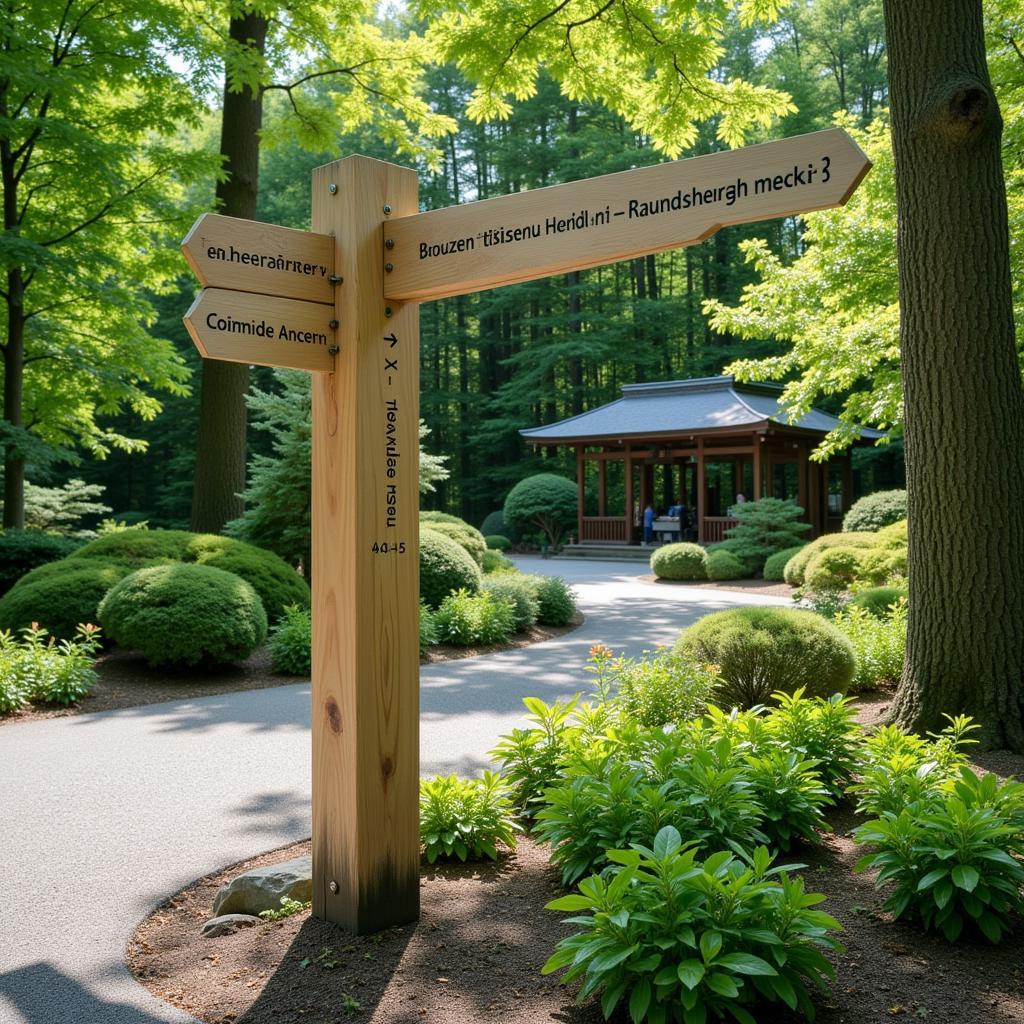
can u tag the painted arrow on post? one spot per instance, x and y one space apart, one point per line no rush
241 327
546 231
249 256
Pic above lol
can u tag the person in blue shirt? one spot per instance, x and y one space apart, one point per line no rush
649 524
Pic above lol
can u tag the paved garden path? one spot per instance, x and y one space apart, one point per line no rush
104 815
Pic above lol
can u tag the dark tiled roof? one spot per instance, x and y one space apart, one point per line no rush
679 406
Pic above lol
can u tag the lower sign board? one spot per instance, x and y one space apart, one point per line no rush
241 327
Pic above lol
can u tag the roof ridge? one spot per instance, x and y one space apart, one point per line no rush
749 407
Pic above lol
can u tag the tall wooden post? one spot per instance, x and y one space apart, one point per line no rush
757 441
366 566
630 532
701 490
581 491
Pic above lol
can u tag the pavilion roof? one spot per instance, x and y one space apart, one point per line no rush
674 407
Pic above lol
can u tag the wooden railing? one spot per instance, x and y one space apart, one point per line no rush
712 528
604 528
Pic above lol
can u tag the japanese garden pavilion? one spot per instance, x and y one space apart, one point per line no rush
700 443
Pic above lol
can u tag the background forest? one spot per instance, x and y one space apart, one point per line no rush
809 302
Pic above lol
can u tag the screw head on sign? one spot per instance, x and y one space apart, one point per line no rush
334 323
387 311
389 267
333 887
332 188
335 279
387 207
389 243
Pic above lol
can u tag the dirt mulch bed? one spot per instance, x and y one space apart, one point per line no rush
475 955
126 681
766 587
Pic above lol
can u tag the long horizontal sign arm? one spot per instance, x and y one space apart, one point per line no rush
587 223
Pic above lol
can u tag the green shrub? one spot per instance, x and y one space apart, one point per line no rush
138 547
874 511
775 565
184 615
796 566
893 536
951 856
724 565
39 668
496 562
763 527
495 542
290 642
444 568
465 818
833 569
675 938
879 642
520 593
761 650
466 620
59 596
660 688
469 539
21 551
878 600
277 583
680 562
428 628
545 502
556 601
883 565
790 790
494 523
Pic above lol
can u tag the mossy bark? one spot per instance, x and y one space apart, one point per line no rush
962 385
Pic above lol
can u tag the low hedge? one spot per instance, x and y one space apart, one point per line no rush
680 562
495 542
797 565
277 583
724 565
833 569
471 540
184 615
59 596
874 511
21 551
759 651
775 565
445 567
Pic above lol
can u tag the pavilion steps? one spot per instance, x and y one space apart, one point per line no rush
595 552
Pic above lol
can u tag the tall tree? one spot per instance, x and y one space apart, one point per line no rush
964 417
91 194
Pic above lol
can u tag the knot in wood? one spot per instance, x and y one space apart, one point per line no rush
333 715
966 113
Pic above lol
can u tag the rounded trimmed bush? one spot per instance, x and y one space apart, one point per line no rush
545 502
469 539
277 583
833 569
680 562
775 565
797 565
429 516
758 651
878 600
59 596
494 523
445 567
895 535
519 592
881 565
724 565
556 601
874 511
184 615
21 551
495 542
496 562
136 547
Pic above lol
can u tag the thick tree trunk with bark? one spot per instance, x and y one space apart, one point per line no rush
962 384
220 445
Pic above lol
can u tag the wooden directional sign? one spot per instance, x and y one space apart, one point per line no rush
227 252
244 328
586 223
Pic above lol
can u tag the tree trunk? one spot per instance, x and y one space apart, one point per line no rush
220 445
14 383
962 385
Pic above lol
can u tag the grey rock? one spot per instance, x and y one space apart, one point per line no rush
264 888
228 924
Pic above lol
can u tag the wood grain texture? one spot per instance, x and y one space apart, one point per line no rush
249 256
366 604
219 322
585 223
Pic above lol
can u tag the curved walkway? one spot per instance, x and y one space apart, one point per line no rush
103 815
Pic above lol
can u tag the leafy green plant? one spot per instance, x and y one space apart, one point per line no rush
290 642
791 794
40 668
520 593
470 539
556 601
878 600
874 511
495 563
797 565
466 619
428 628
444 568
660 688
465 818
833 569
950 855
758 651
289 908
879 642
682 561
679 939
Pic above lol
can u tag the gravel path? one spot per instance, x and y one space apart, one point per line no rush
102 816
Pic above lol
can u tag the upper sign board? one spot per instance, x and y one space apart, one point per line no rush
546 231
262 329
248 256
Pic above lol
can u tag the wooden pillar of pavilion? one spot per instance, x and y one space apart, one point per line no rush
629 494
581 490
701 489
757 466
602 487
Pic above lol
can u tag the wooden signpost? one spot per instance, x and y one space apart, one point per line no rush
341 301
